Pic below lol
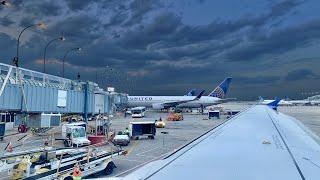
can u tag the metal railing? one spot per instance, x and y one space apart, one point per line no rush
35 78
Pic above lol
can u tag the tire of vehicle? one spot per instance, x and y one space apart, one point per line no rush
109 169
137 138
66 143
68 178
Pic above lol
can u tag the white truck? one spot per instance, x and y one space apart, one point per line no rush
74 134
121 139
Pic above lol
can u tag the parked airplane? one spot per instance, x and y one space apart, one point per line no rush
258 143
164 102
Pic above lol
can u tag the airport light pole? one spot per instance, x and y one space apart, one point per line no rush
5 3
61 38
16 59
65 55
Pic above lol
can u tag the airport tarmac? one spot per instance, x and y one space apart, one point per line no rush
178 133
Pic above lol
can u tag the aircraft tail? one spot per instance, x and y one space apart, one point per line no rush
199 95
261 98
274 104
192 92
221 90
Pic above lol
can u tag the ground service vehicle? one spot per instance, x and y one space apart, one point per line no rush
143 128
60 164
138 112
121 139
74 134
175 117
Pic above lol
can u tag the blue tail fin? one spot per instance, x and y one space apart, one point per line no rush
221 90
193 92
274 104
261 99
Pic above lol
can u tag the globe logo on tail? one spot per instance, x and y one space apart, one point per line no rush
218 92
221 90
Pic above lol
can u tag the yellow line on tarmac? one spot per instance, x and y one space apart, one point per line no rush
134 144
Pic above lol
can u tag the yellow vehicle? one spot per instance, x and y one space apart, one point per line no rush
160 124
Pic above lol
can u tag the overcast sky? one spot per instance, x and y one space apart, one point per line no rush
167 47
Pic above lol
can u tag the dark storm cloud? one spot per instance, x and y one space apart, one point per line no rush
6 21
81 26
42 9
26 21
139 8
277 42
79 4
162 28
169 28
257 80
7 47
116 19
301 74
155 44
279 9
112 53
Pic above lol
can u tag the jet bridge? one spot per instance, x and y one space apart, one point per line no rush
32 92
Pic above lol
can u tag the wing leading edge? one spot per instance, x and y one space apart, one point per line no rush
259 143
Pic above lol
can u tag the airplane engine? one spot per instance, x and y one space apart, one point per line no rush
157 106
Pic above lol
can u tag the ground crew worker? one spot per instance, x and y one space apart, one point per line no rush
76 175
126 131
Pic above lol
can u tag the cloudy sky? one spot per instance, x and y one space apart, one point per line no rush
166 47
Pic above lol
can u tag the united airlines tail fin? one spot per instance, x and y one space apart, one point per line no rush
261 99
221 90
274 104
199 95
192 92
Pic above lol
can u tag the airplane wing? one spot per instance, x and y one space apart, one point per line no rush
258 143
175 103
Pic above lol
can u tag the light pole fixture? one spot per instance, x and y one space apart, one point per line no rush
16 59
61 38
5 3
65 55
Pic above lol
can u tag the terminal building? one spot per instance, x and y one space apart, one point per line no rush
30 93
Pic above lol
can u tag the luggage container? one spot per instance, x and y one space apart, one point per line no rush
214 114
144 128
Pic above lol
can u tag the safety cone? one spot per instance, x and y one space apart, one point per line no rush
76 172
9 147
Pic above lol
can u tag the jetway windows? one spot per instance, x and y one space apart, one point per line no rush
5 117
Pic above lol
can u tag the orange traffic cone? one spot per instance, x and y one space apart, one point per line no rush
76 172
9 147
